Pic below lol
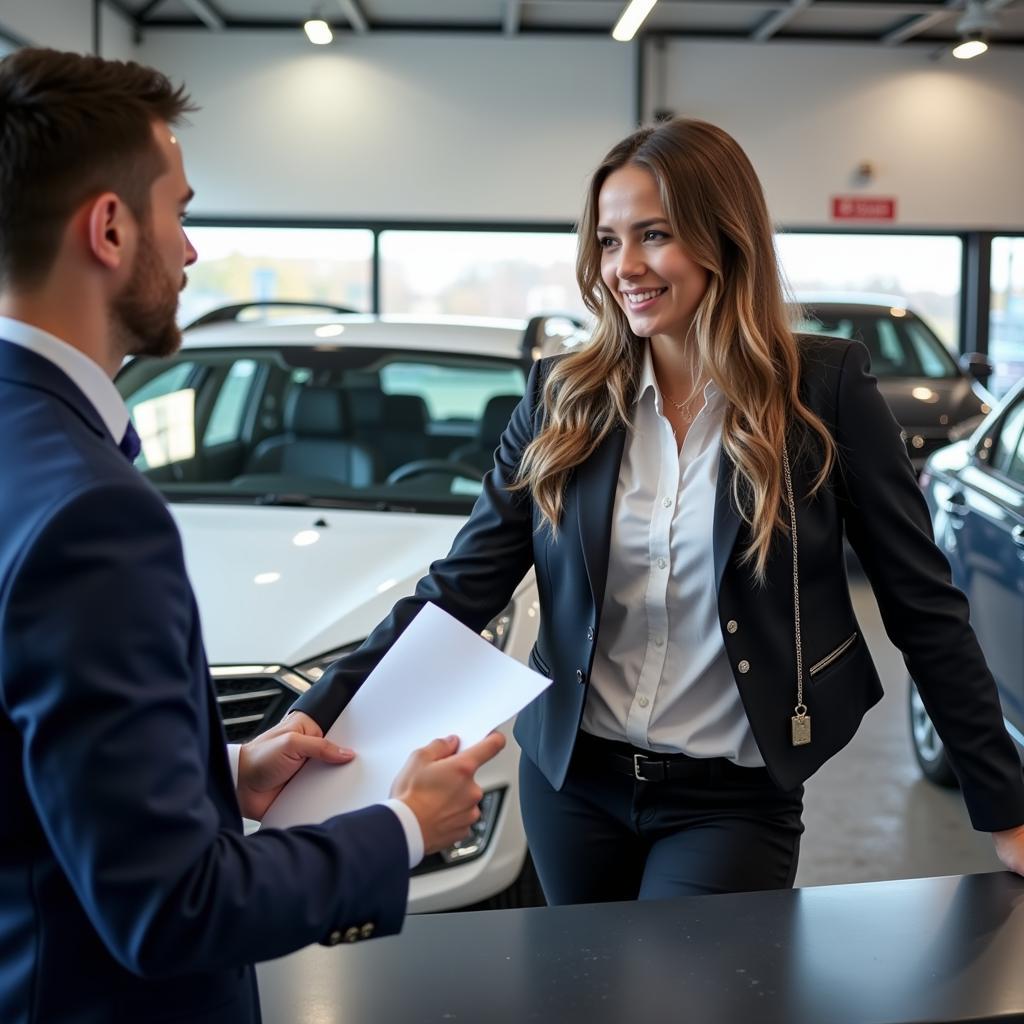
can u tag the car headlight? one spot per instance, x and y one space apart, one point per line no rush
474 845
496 632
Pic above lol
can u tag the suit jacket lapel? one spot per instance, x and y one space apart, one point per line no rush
596 480
727 519
21 366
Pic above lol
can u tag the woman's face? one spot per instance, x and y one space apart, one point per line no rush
643 264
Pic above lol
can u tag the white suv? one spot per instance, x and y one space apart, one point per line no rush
316 466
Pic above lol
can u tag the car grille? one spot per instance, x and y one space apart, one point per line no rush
252 698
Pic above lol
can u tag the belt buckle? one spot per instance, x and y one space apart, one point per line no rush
637 758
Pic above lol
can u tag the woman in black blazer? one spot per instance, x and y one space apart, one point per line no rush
681 487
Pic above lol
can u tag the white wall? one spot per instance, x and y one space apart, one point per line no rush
946 137
395 126
67 25
448 127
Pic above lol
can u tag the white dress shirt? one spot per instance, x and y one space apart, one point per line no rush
661 679
90 378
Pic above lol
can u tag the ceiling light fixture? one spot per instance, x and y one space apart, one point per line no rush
318 32
973 27
631 19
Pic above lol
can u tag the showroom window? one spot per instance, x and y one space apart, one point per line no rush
241 264
922 270
1006 313
479 273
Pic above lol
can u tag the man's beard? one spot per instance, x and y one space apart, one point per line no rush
143 317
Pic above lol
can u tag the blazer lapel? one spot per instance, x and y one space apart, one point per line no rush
19 365
727 519
596 480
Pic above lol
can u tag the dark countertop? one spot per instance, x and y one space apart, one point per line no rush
921 950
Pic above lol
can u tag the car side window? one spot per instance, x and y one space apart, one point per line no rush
225 424
1008 439
932 363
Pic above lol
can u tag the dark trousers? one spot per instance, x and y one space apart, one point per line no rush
608 836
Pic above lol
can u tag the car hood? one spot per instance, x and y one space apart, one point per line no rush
923 401
283 585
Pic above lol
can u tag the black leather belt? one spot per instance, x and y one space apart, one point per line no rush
640 765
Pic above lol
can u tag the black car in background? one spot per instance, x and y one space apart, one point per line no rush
934 400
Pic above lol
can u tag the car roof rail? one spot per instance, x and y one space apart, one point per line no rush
232 313
550 333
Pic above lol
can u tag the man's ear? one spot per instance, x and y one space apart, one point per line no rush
110 230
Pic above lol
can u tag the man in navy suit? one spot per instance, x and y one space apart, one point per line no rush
127 890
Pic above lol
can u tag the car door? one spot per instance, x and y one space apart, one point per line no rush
986 508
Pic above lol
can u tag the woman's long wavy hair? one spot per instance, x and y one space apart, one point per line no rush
740 336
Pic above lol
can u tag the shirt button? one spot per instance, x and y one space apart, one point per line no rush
658 641
667 502
744 667
590 632
579 675
662 563
643 702
732 626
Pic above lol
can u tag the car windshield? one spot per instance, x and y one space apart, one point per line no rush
330 426
900 344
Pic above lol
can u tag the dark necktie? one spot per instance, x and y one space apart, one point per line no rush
130 444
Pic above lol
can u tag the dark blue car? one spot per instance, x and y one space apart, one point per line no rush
975 492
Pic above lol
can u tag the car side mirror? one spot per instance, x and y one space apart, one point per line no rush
976 365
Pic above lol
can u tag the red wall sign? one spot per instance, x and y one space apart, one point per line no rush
863 208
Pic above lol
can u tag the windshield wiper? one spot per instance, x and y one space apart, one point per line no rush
309 501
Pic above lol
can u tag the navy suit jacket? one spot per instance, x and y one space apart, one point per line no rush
873 495
127 891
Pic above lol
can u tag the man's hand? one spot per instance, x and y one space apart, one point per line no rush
1010 848
437 784
266 763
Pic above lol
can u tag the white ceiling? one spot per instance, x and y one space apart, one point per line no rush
881 22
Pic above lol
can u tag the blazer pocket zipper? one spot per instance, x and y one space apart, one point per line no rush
820 666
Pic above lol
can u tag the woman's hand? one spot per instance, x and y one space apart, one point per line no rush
266 763
1010 848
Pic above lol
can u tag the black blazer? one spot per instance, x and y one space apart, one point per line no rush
873 493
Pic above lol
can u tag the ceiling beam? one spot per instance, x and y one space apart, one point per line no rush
354 13
206 13
914 26
144 12
510 20
780 18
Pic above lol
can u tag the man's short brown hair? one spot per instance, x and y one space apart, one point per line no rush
72 127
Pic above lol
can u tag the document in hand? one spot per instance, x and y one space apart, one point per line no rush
438 679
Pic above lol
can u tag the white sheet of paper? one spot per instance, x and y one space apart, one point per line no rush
438 679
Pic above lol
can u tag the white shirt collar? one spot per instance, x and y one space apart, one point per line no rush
85 374
648 381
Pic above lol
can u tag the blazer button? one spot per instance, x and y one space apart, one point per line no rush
366 931
334 938
590 632
352 934
731 626
744 667
579 675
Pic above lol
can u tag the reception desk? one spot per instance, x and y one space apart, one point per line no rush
922 950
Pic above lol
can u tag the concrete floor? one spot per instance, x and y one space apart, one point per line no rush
869 814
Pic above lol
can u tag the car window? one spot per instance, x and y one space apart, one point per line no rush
931 356
899 345
225 421
1008 438
328 423
450 392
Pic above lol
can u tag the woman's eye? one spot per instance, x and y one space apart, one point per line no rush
654 236
606 242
